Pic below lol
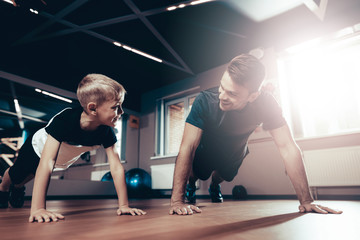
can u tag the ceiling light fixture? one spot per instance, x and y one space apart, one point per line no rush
53 95
171 8
117 44
18 113
200 2
127 47
17 106
146 55
188 4
8 1
34 11
31 10
142 53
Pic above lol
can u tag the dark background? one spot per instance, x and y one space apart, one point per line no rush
69 39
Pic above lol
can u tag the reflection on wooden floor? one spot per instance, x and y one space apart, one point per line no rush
270 219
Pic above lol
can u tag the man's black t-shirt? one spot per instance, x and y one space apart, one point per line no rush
225 133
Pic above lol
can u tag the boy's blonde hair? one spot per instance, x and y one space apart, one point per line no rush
99 88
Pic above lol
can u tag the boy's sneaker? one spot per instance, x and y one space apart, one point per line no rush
16 198
215 194
4 198
190 193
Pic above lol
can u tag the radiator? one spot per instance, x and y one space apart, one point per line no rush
162 176
335 167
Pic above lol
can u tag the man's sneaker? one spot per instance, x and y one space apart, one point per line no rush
16 198
215 194
4 198
190 193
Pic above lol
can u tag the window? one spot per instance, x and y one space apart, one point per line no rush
171 124
120 132
319 85
118 128
175 115
175 122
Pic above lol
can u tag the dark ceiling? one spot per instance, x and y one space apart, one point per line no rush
69 39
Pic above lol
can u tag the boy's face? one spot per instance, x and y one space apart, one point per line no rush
233 96
109 112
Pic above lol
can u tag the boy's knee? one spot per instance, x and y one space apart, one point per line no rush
15 178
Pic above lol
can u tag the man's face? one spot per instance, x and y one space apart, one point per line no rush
233 96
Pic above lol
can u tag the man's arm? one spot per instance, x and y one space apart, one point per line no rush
190 141
118 174
42 178
295 169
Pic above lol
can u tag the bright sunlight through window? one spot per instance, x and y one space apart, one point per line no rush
320 84
118 133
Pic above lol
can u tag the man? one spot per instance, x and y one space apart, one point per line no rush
217 130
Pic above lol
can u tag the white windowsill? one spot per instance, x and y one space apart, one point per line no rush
164 156
101 164
106 164
303 139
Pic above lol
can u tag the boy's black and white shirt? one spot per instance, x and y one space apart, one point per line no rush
65 128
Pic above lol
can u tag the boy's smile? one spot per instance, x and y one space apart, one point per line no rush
109 113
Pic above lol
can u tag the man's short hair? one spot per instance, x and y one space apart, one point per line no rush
99 88
247 71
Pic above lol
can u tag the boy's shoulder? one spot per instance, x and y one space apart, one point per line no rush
66 117
69 113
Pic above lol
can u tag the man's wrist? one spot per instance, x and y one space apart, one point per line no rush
306 201
176 201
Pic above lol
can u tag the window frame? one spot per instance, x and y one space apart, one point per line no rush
162 121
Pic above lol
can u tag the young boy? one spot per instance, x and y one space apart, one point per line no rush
69 134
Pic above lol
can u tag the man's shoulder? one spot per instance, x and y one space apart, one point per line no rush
207 102
265 98
211 91
210 95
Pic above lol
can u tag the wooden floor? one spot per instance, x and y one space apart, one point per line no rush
255 219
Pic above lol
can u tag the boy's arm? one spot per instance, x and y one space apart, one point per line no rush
294 165
118 175
190 142
42 178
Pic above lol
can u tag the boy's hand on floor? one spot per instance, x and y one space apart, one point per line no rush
42 215
128 210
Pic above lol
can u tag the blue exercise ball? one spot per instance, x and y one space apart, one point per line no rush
138 183
107 177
